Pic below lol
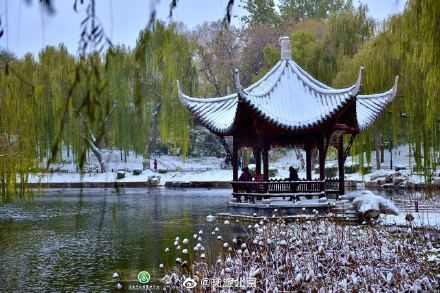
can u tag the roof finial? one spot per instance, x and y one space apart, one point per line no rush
286 49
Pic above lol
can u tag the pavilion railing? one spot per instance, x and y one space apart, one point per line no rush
282 188
332 186
278 186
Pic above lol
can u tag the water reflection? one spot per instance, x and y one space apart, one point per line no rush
75 240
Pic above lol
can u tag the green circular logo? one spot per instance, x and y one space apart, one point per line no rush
144 277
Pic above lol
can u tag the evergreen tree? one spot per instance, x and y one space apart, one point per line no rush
295 10
260 12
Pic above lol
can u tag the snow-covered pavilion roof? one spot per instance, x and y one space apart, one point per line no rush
369 107
287 97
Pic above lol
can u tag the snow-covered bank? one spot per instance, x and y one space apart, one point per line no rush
169 168
280 160
109 177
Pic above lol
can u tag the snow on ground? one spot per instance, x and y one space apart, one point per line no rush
421 219
176 168
203 168
186 176
116 161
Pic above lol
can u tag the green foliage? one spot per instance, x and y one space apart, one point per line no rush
405 46
162 57
271 57
272 172
346 33
329 172
320 9
123 98
92 101
18 139
260 12
302 44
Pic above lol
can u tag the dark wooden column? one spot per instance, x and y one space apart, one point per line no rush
341 165
308 150
257 156
321 160
235 159
265 154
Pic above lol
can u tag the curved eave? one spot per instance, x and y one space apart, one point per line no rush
369 107
216 114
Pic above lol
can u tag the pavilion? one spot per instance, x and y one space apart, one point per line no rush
288 107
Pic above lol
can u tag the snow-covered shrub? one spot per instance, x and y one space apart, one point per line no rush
316 256
370 205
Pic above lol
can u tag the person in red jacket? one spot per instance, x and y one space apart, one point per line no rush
155 164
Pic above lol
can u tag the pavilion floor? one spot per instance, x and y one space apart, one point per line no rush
305 209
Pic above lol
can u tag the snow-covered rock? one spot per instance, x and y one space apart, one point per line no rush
153 180
322 200
379 174
380 181
436 181
399 179
410 184
370 205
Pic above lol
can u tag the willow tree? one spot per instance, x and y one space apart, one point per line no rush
407 45
72 107
51 78
162 57
122 125
18 139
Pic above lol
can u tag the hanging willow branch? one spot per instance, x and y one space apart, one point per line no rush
173 5
92 32
227 18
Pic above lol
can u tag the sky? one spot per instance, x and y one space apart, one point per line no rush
28 28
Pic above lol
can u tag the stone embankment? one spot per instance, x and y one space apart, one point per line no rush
399 180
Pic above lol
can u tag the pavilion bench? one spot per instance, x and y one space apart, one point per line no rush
280 188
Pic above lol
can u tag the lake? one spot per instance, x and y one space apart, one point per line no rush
73 240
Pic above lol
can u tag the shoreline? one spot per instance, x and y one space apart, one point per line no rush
130 184
213 184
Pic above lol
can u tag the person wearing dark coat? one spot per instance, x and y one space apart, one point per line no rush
246 175
293 176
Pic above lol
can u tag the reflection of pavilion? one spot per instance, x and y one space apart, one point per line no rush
289 107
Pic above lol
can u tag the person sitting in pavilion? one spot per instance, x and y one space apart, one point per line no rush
293 176
245 175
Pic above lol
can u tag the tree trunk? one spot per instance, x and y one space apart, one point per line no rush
300 157
377 144
153 137
315 157
382 153
96 150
